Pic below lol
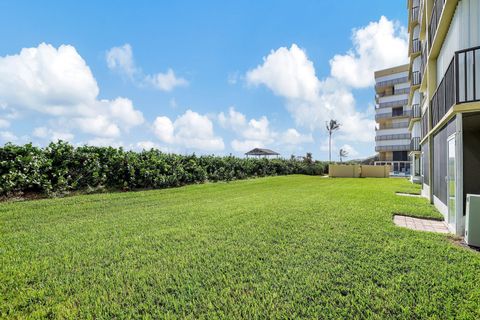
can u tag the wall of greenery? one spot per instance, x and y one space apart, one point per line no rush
62 168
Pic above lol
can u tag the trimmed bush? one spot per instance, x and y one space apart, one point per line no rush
61 168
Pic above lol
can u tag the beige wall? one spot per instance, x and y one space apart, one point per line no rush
344 171
357 171
375 171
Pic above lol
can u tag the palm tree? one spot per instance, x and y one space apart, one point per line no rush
332 126
343 154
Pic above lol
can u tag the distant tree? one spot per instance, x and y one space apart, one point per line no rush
343 154
332 126
308 159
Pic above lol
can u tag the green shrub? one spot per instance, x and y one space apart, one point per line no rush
61 168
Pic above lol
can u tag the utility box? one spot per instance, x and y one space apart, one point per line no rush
472 223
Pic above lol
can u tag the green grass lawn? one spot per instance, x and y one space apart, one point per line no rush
283 247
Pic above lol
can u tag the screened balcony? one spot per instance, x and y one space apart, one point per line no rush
415 144
416 111
434 20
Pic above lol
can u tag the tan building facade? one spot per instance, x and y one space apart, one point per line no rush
392 114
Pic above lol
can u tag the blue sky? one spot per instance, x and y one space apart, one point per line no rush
196 76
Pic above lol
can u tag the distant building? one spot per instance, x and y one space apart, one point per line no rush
392 114
258 152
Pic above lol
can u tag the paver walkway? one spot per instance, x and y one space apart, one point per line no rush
421 224
408 195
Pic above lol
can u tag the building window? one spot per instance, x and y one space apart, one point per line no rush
400 156
397 111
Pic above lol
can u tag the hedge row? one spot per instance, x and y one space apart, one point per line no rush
61 168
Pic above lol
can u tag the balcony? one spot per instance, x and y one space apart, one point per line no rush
393 114
416 111
392 104
415 144
424 59
405 147
425 127
402 136
415 15
390 83
460 84
416 78
416 47
434 20
400 125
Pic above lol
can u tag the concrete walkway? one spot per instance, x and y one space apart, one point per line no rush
421 224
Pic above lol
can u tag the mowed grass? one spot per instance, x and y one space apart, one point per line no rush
283 247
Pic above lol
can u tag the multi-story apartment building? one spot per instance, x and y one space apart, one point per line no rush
392 114
445 98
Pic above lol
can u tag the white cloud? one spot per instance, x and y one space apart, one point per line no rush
7 136
123 111
293 137
289 73
47 80
257 133
246 145
379 45
351 152
98 126
147 145
251 134
164 129
233 120
4 123
166 81
190 130
52 135
57 82
40 132
120 59
104 142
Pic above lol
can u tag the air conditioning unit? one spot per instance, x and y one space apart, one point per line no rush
472 223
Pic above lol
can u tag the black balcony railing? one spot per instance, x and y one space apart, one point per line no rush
416 46
416 111
401 136
425 124
416 78
415 144
460 84
434 20
415 13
